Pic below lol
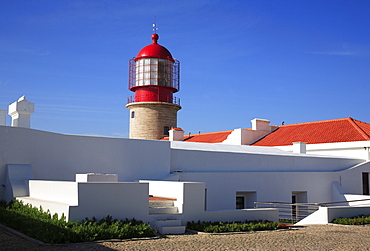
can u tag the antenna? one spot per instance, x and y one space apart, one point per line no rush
155 28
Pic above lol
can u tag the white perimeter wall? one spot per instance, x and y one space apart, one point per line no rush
59 157
195 160
120 200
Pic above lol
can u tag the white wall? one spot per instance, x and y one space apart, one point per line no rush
355 149
212 160
269 186
244 136
351 179
120 200
270 214
191 202
326 215
60 191
225 169
59 157
273 174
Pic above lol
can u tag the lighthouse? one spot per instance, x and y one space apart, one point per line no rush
154 78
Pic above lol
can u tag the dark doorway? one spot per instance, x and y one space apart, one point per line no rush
240 202
365 184
166 131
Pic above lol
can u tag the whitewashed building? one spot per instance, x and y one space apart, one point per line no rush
216 176
208 181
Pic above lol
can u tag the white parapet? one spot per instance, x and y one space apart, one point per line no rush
299 147
21 111
96 177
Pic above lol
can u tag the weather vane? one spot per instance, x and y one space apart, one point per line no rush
155 28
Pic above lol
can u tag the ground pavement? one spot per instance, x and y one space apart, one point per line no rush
319 237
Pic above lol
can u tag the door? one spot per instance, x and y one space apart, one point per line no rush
365 184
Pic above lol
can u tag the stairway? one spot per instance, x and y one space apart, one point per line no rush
165 214
162 207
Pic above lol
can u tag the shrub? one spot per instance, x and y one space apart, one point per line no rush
235 226
288 221
356 220
41 225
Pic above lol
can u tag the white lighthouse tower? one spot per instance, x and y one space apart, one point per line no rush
154 78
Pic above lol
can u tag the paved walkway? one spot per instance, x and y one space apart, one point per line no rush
326 237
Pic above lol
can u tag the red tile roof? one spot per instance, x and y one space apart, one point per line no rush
327 131
210 137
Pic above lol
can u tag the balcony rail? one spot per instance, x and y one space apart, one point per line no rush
299 211
173 100
290 211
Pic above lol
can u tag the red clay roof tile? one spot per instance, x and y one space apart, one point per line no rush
327 131
210 137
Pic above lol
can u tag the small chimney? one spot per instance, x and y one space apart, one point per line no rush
261 125
2 117
21 112
299 147
176 134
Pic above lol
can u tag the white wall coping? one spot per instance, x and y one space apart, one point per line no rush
219 147
329 146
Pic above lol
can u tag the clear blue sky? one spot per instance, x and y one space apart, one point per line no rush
293 61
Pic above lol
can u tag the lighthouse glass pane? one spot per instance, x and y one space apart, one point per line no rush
139 72
164 72
154 71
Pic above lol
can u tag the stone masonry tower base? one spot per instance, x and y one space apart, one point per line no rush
152 120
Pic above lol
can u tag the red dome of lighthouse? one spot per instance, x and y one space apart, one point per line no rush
154 50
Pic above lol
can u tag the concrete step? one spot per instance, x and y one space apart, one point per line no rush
167 223
167 203
163 210
172 230
160 217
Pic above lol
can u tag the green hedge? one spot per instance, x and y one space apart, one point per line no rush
235 226
45 227
357 220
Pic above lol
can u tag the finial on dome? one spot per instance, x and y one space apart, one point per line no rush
155 38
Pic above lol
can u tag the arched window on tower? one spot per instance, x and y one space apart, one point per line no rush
132 114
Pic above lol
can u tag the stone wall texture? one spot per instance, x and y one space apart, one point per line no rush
150 119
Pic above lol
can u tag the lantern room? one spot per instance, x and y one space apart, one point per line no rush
154 74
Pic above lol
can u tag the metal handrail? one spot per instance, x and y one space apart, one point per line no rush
173 100
298 211
290 211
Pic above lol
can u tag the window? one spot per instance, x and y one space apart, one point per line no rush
245 199
166 131
132 114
